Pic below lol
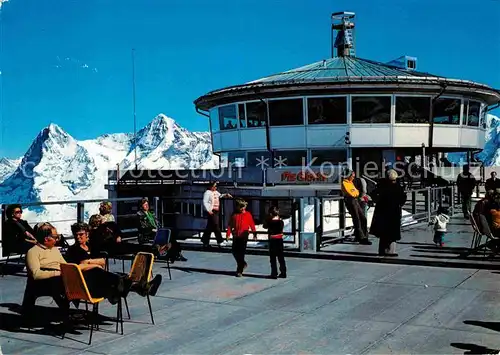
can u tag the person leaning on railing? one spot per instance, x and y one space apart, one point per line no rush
351 194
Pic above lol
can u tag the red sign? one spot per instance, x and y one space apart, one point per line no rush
302 176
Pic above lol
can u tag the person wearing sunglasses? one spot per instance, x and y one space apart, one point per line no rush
18 236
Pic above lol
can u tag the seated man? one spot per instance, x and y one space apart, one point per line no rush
18 236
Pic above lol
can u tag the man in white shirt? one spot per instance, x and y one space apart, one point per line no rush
211 204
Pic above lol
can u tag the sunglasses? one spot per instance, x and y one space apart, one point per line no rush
18 212
81 234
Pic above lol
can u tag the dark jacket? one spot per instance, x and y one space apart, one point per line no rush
145 226
389 199
491 184
14 236
103 238
466 182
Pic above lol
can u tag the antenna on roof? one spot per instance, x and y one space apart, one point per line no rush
343 27
135 115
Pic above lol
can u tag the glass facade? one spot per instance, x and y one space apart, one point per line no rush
214 119
241 115
256 114
371 109
327 110
286 112
227 117
327 156
413 109
284 158
473 114
446 111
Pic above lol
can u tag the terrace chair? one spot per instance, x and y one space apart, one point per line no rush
142 270
491 243
77 290
477 235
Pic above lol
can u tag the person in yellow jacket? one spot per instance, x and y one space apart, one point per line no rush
351 194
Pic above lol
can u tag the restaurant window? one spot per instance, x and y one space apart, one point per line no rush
256 114
232 159
284 158
241 115
286 112
473 114
227 117
446 111
371 109
214 119
260 159
483 116
327 156
413 109
327 110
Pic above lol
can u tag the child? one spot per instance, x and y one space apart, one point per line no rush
275 225
439 221
240 224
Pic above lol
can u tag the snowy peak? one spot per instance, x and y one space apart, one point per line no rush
160 129
7 167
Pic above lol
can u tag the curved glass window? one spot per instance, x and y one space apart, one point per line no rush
327 110
283 158
328 156
413 109
286 112
371 109
241 115
214 119
256 114
227 117
473 114
446 111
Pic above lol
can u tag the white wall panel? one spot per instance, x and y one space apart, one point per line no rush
230 140
325 136
410 136
371 136
253 138
288 137
446 136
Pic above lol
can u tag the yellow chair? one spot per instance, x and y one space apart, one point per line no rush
76 289
142 270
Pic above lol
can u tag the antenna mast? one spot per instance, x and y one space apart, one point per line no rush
135 115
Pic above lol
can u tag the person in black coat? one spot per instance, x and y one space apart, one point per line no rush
389 199
18 236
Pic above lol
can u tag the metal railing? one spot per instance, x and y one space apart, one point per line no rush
312 222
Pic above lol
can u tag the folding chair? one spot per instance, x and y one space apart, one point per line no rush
76 289
477 236
142 270
491 243
162 238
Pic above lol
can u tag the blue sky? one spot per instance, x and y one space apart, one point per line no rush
69 61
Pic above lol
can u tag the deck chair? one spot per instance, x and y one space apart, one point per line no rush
76 289
141 271
162 242
477 235
491 243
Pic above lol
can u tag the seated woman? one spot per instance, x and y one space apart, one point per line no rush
80 253
105 211
148 226
18 236
104 236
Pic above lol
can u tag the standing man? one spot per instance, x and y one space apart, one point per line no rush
359 221
211 203
466 182
360 184
492 183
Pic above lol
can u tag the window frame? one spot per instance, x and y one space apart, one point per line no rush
460 117
235 105
298 98
429 97
325 97
351 110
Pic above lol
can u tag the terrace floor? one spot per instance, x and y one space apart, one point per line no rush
324 306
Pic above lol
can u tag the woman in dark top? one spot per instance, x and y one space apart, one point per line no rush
80 253
274 225
18 236
389 199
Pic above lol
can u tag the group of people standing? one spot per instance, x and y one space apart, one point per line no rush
240 225
389 198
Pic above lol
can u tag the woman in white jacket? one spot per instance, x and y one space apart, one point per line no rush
211 204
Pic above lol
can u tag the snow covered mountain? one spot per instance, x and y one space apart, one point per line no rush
7 167
490 155
58 167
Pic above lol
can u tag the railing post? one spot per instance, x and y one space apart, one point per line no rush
2 216
452 200
318 221
157 207
341 218
428 204
413 202
80 212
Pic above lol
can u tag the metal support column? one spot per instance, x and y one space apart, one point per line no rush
80 212
318 221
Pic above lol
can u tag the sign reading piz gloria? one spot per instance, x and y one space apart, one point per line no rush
302 175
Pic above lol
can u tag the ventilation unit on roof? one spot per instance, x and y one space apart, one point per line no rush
343 34
405 62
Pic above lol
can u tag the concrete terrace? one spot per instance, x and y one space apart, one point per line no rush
323 307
